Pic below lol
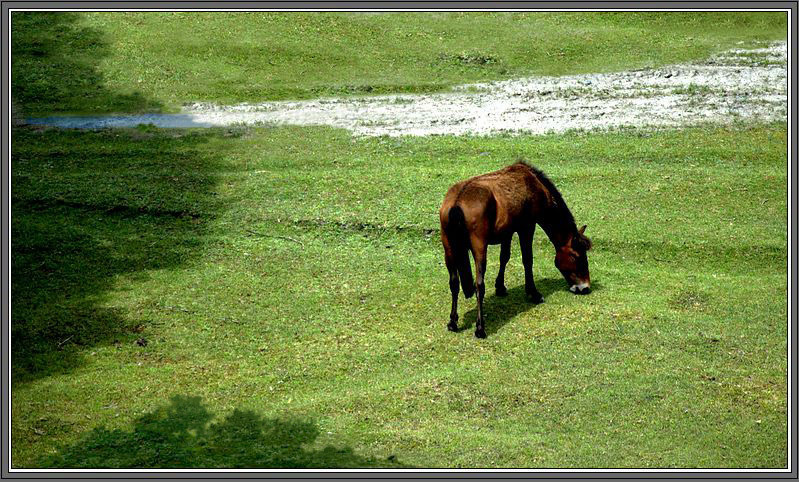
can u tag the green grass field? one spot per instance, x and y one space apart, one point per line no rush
277 297
295 277
132 62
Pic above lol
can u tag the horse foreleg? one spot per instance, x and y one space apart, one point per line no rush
504 256
526 245
479 250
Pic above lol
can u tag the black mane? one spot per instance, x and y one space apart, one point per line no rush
564 215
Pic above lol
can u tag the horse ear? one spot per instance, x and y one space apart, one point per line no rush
582 230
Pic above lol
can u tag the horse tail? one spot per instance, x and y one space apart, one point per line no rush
458 236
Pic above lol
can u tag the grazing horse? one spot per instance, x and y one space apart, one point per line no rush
488 209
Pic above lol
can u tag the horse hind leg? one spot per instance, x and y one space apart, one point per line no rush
479 249
454 288
504 257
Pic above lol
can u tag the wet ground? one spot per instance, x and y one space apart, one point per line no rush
741 84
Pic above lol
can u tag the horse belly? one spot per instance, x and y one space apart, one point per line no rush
503 230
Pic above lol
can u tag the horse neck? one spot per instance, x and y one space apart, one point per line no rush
559 232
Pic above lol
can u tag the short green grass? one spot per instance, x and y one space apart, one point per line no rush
100 62
276 297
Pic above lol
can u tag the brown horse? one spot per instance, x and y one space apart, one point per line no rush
488 209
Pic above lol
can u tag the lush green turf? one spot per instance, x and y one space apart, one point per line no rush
277 297
128 62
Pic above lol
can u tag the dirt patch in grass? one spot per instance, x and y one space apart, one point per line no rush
737 85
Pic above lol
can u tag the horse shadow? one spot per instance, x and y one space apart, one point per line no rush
499 310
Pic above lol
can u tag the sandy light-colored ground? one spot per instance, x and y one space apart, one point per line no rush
741 84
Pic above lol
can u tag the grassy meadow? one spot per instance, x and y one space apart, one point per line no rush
277 297
151 61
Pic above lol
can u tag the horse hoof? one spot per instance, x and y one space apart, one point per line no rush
502 291
480 333
452 326
535 298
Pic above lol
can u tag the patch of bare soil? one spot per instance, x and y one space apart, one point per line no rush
737 85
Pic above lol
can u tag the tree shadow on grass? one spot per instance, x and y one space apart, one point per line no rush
87 208
55 67
182 435
499 310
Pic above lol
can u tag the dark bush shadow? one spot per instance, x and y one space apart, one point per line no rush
86 208
181 435
499 310
55 68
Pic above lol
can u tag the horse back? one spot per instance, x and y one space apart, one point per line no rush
499 203
476 202
519 197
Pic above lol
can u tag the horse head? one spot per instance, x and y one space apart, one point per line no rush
572 262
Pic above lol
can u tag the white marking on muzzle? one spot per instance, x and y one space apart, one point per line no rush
578 287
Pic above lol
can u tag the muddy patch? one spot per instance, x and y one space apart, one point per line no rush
737 85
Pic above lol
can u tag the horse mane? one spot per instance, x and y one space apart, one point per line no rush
563 216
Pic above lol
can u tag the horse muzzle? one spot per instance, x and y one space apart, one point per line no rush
580 288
